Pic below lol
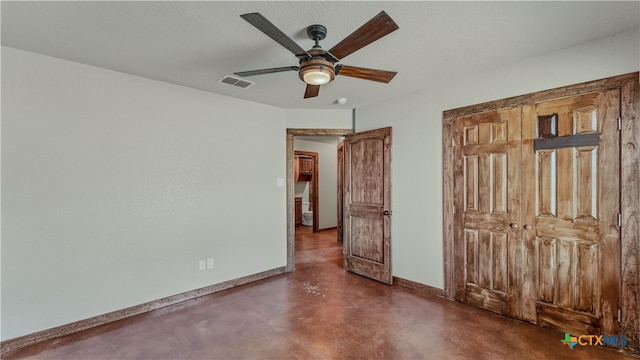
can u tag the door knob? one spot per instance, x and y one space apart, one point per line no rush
527 227
513 225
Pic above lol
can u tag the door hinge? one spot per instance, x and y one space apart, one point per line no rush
620 220
619 124
453 142
619 315
454 209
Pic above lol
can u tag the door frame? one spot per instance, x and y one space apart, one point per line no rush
629 186
291 221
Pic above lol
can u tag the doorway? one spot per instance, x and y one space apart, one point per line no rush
306 171
367 200
291 133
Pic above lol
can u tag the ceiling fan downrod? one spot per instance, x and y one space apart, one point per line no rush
316 33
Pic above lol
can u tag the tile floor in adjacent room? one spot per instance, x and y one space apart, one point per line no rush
318 312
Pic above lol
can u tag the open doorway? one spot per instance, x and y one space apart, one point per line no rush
306 181
317 135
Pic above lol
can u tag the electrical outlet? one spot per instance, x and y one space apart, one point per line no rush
202 265
210 263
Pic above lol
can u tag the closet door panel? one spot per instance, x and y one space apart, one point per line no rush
571 242
487 196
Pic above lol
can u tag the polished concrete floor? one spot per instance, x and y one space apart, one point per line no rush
318 312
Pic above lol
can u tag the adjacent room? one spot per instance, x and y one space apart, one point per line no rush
402 171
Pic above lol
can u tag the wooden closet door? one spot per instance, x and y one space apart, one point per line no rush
487 210
571 270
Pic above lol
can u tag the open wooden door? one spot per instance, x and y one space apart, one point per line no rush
367 204
340 190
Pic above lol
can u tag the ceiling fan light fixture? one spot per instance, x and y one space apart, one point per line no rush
316 77
317 72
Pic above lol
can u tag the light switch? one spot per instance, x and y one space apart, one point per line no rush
280 182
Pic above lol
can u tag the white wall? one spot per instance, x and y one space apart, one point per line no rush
327 182
114 186
319 119
416 233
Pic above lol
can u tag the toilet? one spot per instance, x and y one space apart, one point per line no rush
307 215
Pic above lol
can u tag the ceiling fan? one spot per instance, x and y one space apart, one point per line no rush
317 66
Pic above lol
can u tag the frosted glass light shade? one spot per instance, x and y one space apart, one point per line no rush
317 72
316 77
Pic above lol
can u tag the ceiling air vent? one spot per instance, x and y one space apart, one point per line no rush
235 81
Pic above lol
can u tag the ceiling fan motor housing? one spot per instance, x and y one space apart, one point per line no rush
318 32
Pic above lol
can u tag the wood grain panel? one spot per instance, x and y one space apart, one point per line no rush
470 135
484 260
471 256
484 133
498 187
586 275
568 230
565 270
547 269
499 261
365 243
571 321
490 222
585 120
484 180
499 132
471 183
547 181
565 181
586 183
487 299
368 189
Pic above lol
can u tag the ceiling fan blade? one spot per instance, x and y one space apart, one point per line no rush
371 31
266 71
264 25
367 74
311 91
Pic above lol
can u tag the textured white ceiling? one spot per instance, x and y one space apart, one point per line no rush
195 43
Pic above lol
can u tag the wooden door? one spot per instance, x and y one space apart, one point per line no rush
340 190
487 210
367 204
571 269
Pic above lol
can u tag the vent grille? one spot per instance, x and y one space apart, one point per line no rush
235 81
